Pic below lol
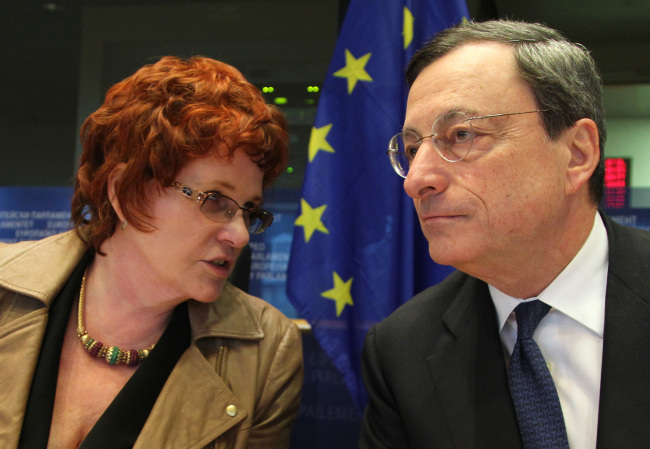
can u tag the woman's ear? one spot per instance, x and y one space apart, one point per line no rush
114 180
584 147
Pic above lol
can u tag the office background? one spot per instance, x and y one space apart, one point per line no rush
58 59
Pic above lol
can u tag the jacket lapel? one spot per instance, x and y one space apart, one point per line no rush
203 407
625 389
19 345
206 406
469 373
28 284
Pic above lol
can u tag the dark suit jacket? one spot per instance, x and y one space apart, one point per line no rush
436 374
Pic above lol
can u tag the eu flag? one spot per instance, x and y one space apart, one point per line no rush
358 252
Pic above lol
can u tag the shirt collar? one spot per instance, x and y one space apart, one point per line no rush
578 291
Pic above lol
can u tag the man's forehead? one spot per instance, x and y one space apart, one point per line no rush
476 78
471 62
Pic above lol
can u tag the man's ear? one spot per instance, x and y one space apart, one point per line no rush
114 180
584 147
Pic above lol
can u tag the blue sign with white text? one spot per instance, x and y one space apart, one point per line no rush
33 213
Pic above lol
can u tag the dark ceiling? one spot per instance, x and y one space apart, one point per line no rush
617 32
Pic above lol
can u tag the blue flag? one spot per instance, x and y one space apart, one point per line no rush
358 251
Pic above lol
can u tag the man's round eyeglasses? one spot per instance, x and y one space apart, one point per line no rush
452 135
221 208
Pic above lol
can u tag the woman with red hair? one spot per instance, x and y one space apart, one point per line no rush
125 331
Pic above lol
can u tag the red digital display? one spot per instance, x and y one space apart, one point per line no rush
616 172
617 175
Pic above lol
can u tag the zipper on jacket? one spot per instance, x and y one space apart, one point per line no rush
218 368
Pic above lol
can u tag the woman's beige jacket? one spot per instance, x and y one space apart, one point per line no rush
237 386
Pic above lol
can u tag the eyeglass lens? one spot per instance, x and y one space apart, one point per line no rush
452 135
220 208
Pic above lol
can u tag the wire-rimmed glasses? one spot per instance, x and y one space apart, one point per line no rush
452 135
221 208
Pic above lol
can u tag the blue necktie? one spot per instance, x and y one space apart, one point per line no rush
537 405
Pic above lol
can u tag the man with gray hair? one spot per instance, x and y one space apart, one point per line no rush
540 338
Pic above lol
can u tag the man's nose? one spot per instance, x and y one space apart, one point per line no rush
428 172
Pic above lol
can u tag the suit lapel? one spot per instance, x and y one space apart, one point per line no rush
469 373
625 390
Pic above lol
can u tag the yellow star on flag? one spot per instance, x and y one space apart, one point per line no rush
310 219
318 141
354 70
340 294
407 27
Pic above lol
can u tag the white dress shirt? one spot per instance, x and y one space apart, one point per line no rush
571 335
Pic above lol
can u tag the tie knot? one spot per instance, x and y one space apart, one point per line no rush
528 315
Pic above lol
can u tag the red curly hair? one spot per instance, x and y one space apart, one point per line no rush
154 122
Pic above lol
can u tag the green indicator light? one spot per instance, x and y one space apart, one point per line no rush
310 101
289 169
280 100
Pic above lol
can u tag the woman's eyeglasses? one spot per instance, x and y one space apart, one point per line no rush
221 208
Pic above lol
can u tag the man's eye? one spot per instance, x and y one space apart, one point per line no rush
460 135
411 151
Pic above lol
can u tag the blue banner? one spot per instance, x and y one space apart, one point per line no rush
270 251
357 251
33 213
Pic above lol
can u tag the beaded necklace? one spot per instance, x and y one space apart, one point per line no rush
112 354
